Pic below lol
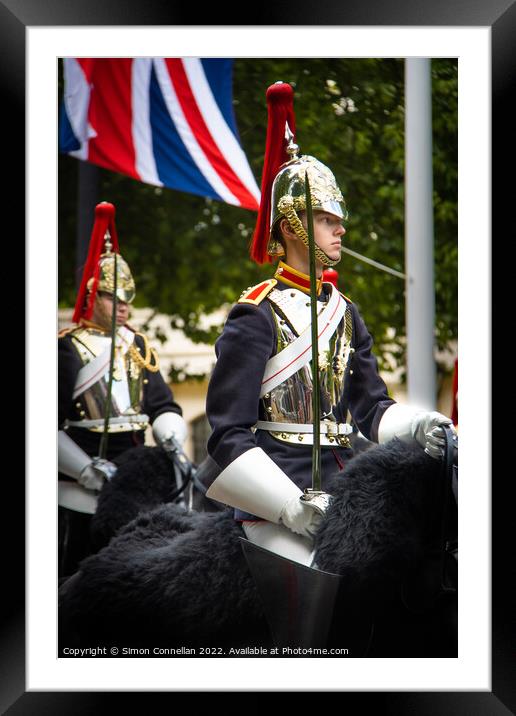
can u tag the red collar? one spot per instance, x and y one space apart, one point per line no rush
296 279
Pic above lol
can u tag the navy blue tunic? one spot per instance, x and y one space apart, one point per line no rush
233 405
157 399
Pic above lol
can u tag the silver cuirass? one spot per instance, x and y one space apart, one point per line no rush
127 385
291 401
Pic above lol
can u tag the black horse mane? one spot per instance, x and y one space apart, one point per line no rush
166 575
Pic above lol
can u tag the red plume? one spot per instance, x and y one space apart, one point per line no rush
104 220
280 101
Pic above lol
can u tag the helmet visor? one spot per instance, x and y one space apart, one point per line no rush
332 207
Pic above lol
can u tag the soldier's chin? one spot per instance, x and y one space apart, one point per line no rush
334 254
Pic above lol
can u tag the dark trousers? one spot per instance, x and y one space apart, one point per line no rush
73 540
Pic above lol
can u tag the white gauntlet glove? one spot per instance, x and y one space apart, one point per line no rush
408 423
169 425
304 516
96 473
255 484
74 462
429 433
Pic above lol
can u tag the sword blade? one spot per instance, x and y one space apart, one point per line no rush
316 409
107 409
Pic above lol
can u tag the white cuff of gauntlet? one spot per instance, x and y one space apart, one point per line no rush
168 425
255 484
408 423
70 457
399 421
73 497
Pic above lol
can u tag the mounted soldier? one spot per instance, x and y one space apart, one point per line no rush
260 398
109 390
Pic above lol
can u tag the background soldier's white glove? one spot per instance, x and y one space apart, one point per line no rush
96 473
406 423
74 462
304 517
169 425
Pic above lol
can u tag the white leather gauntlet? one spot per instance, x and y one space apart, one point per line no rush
96 473
303 517
169 425
74 462
429 433
255 484
408 423
71 459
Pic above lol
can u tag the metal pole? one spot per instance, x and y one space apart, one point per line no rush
419 234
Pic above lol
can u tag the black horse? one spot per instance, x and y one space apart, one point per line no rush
146 478
170 577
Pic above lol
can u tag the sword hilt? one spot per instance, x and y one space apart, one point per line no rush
316 499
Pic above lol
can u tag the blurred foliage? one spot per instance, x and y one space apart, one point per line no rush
189 255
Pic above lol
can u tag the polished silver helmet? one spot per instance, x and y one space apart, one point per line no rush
288 197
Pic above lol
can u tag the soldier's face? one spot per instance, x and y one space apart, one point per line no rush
328 232
103 310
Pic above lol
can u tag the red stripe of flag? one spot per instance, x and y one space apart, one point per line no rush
86 64
111 115
202 134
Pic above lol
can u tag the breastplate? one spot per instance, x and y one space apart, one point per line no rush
126 389
291 401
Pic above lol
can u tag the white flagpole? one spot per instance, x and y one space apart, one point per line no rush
419 235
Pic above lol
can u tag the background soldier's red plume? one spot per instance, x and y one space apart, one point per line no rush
280 102
104 220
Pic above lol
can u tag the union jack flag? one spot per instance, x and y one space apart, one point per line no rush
164 121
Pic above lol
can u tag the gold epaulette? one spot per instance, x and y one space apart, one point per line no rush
256 294
346 298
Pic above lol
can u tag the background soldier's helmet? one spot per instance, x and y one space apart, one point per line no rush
98 273
283 181
125 287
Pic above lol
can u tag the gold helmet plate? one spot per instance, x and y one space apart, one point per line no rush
125 288
288 197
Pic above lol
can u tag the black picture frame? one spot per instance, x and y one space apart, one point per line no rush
500 16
